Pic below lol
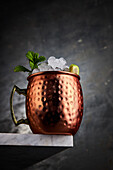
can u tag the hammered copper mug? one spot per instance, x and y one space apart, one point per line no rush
54 103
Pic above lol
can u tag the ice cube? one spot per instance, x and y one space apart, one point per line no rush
62 61
35 70
66 68
45 67
51 62
57 69
50 69
57 63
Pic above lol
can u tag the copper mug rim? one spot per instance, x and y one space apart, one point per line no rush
57 72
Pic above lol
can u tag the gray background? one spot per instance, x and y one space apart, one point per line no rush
81 32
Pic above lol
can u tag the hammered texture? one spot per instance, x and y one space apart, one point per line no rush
54 102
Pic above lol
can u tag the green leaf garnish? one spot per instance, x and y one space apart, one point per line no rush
34 61
29 55
35 66
42 58
21 68
31 64
36 55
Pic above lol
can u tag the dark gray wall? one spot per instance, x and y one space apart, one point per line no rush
81 32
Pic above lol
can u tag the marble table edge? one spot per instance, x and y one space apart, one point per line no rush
36 140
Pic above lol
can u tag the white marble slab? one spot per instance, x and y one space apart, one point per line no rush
36 140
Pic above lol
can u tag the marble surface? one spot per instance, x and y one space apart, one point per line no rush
21 151
36 140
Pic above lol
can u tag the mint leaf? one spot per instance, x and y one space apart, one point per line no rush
30 55
42 58
34 61
35 66
31 64
21 68
35 58
36 55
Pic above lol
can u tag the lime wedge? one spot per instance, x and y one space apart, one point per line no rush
74 69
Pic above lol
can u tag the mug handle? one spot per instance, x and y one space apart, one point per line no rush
19 91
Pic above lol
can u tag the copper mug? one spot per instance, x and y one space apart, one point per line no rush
54 103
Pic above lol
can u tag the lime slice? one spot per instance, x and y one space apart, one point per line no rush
74 69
